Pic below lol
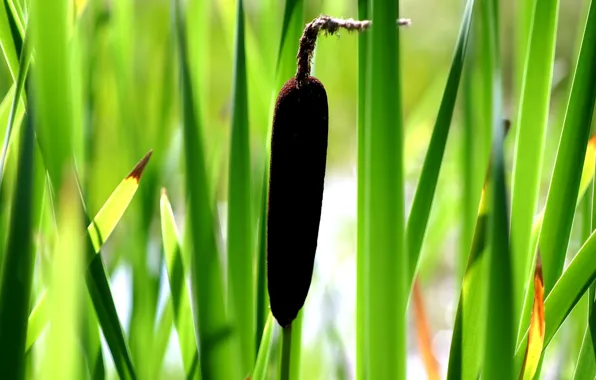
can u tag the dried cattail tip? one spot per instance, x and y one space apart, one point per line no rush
330 25
297 175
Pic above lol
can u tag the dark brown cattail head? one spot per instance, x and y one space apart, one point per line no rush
296 179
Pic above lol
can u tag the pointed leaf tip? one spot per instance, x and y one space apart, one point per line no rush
137 172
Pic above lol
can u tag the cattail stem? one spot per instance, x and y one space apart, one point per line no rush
330 25
286 352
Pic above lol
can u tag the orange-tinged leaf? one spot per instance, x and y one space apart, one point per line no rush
537 325
424 340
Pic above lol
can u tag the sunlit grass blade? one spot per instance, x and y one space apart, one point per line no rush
529 143
240 223
65 363
537 323
425 190
264 354
218 346
387 288
17 267
99 230
180 297
424 334
111 212
562 195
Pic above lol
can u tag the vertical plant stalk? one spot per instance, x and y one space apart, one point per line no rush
286 353
240 223
361 259
387 287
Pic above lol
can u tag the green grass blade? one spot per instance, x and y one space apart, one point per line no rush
65 363
17 268
103 302
361 271
384 234
180 297
264 354
218 347
500 343
529 144
99 230
240 223
425 191
560 204
15 115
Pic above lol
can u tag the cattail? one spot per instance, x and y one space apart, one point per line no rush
297 176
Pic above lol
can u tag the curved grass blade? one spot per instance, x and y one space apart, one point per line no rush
240 222
17 268
264 354
99 230
217 346
425 190
562 195
529 143
180 297
537 324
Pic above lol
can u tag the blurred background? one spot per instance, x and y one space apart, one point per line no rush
132 92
